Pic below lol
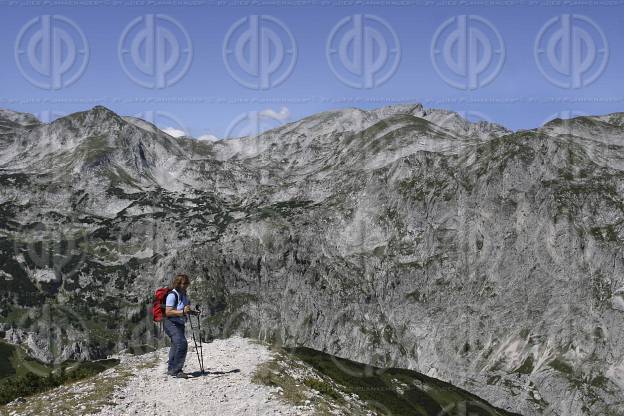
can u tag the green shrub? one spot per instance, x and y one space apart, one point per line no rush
30 383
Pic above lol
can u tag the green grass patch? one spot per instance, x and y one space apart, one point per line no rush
31 383
94 393
15 362
270 374
527 366
322 387
6 366
561 366
400 391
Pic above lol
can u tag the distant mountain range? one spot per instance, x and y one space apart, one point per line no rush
400 237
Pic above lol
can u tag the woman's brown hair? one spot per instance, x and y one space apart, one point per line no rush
179 279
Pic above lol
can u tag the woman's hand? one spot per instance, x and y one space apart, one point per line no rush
187 309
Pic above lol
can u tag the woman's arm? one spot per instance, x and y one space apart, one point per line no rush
169 311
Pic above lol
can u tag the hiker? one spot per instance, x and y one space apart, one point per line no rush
177 306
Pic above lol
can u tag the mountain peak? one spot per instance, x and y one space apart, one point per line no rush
97 115
100 109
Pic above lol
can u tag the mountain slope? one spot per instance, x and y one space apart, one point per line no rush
245 377
400 237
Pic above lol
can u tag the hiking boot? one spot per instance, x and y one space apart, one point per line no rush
181 374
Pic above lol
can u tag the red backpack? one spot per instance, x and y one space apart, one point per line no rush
160 297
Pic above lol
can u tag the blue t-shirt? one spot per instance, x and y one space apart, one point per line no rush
182 302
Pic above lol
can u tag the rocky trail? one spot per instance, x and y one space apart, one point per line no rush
139 386
222 390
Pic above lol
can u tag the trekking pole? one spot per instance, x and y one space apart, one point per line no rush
201 345
195 342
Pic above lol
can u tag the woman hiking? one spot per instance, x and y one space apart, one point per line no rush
177 306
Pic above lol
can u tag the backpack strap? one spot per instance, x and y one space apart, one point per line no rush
177 297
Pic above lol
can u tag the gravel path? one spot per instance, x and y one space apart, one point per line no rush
151 391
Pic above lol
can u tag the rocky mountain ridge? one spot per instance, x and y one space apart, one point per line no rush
245 377
400 237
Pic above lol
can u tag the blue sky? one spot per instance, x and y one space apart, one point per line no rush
209 98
